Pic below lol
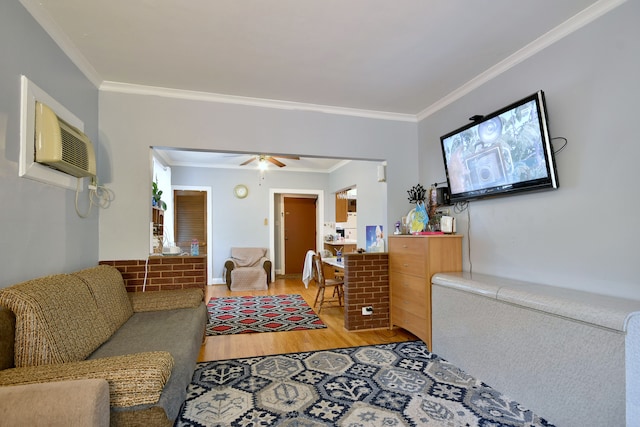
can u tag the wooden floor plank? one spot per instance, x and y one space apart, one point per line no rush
222 347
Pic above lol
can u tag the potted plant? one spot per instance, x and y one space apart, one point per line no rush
156 195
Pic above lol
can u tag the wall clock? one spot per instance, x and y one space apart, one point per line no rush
240 191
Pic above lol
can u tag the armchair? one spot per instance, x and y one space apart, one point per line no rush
247 269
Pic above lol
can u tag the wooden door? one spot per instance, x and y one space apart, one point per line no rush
190 220
299 232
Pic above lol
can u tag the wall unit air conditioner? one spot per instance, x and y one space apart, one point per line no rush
62 146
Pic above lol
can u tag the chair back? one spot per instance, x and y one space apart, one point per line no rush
318 274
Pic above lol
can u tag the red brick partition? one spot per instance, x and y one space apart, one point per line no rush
366 284
163 272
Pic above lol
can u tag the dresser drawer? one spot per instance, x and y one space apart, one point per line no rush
408 264
406 245
407 286
419 326
411 305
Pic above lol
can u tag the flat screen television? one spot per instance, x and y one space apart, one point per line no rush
508 151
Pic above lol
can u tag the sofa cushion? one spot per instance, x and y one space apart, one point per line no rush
57 320
179 331
106 284
165 300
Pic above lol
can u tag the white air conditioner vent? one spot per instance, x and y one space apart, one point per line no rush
62 146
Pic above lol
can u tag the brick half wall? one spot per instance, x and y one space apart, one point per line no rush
163 273
366 284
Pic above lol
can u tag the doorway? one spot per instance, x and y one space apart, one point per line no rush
205 192
276 229
299 231
190 220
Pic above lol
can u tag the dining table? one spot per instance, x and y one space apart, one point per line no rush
332 267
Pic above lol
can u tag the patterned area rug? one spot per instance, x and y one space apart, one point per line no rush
398 384
251 314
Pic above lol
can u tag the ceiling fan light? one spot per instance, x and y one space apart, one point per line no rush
263 165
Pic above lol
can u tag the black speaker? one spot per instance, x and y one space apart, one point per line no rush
442 196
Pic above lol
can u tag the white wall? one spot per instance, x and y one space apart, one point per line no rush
585 234
130 124
40 231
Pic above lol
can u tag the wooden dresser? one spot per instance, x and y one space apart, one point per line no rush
412 262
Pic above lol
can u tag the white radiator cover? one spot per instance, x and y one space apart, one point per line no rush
572 357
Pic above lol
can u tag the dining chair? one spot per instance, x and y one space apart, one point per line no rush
323 283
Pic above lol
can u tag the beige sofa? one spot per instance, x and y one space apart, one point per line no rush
85 326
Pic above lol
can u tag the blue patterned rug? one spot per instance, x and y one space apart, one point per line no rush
399 384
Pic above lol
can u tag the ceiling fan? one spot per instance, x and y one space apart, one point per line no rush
263 158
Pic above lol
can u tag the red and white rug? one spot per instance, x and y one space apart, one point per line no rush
269 313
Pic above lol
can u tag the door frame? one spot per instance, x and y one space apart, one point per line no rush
292 192
210 278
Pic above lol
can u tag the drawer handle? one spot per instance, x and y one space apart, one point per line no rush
405 265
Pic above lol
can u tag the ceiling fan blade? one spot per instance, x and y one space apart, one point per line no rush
275 162
248 161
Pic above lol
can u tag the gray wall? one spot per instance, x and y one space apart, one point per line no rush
585 234
40 231
581 236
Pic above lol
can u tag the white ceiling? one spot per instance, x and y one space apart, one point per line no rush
399 59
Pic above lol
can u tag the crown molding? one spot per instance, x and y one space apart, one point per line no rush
110 86
572 24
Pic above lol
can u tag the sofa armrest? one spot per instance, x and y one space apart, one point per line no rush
266 264
134 379
165 300
229 265
60 403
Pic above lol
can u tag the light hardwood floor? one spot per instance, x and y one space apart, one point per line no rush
222 347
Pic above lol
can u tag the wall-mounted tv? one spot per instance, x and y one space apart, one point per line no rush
508 151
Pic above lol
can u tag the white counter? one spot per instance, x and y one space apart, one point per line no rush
341 242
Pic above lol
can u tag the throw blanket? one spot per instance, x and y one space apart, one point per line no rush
307 270
247 257
250 278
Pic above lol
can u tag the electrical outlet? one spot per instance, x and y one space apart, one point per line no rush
367 311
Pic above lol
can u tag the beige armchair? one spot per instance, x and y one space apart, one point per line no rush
247 269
